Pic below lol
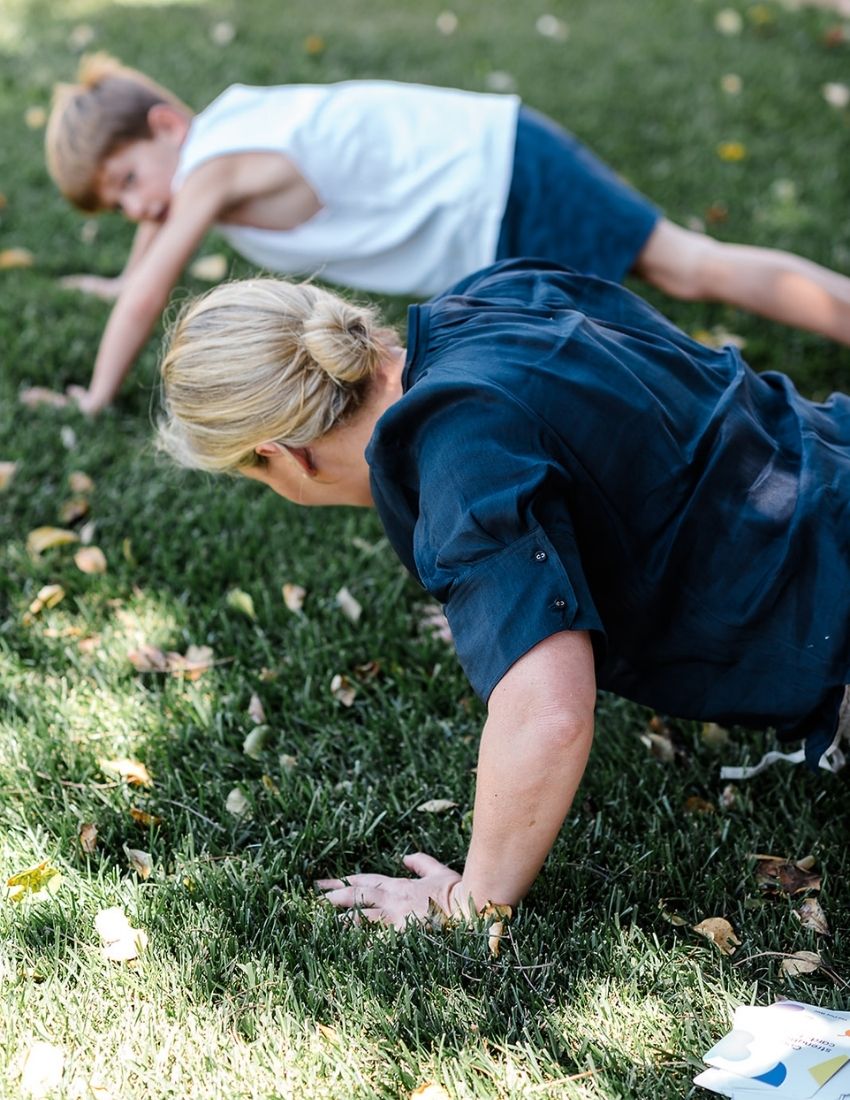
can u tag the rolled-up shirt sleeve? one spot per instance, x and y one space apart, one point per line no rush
494 541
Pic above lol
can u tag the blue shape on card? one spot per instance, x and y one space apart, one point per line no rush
773 1076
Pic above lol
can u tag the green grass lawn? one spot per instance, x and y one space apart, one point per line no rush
249 986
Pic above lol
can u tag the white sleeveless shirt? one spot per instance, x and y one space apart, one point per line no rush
413 180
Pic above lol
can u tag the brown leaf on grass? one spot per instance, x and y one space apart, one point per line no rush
141 862
35 396
142 817
42 1069
369 670
197 660
720 932
716 737
811 916
90 559
777 875
430 1090
7 472
147 658
348 605
256 711
80 482
88 837
73 510
48 596
436 806
801 962
343 690
502 914
48 538
314 44
121 942
293 596
697 805
131 771
15 257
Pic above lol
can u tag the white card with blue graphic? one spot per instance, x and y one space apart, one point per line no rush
786 1050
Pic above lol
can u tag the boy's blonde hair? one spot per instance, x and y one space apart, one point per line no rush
89 120
264 360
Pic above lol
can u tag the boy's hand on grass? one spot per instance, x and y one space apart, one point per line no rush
99 286
395 901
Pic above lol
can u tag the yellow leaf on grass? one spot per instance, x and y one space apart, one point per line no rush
42 1070
720 932
39 881
121 942
48 538
142 817
242 602
90 559
314 44
436 806
731 151
88 837
80 482
429 1091
132 772
293 596
48 596
15 257
140 861
35 117
209 269
7 472
74 510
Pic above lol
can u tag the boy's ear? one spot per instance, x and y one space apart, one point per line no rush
168 121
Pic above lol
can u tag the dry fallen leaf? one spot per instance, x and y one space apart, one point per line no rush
142 817
669 914
436 806
720 932
728 796
242 602
775 874
132 772
121 942
550 26
659 745
287 762
836 95
42 1070
7 472
73 510
148 658
801 962
343 690
88 837
38 882
500 81
728 22
48 596
197 660
256 711
15 257
90 559
47 538
731 83
237 804
141 862
222 33
293 596
314 44
81 36
348 605
210 269
447 22
731 151
716 737
80 482
430 1090
697 805
36 396
255 742
87 532
811 916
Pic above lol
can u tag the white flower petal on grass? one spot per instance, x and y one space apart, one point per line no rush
500 81
7 472
222 33
254 743
436 806
256 710
836 95
121 942
237 804
348 605
68 437
550 26
731 83
42 1069
447 22
728 22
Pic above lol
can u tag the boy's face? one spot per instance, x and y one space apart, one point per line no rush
136 179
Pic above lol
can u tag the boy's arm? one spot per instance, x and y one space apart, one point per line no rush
109 287
533 753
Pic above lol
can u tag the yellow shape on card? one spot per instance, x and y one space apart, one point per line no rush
824 1070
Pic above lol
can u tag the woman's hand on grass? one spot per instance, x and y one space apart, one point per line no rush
85 400
395 901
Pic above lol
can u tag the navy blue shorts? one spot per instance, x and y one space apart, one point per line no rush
566 205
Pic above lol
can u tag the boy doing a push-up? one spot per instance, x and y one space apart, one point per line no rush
382 186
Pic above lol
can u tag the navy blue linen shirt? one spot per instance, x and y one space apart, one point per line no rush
564 458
